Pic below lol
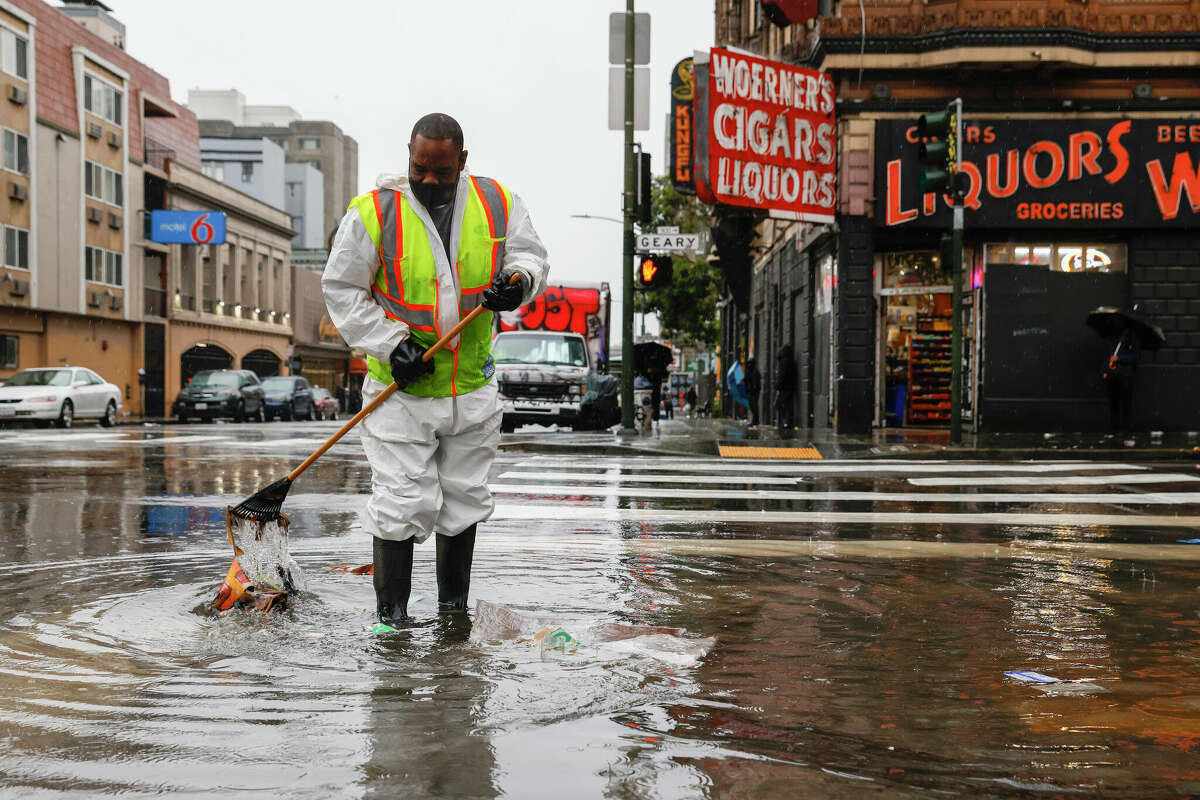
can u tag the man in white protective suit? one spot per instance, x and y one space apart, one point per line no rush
410 258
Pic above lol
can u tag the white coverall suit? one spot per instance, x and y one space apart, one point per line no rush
429 456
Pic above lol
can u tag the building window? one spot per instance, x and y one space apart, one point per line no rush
9 351
112 268
1073 258
102 99
16 152
16 247
102 266
309 144
14 54
214 170
103 183
282 143
247 171
316 165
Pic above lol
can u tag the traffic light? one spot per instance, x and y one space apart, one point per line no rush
655 271
938 151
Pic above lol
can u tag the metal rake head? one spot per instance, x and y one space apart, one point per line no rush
265 504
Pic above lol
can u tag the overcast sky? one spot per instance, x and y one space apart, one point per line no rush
528 80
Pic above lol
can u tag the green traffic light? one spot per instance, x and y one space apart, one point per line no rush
935 124
934 180
934 153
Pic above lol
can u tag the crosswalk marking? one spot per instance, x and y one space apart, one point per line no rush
691 480
691 516
1060 480
827 467
1162 498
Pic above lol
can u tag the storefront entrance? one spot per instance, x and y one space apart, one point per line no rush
914 339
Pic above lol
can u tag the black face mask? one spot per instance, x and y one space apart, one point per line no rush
434 194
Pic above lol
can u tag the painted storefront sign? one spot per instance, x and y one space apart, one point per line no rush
770 136
683 90
1051 173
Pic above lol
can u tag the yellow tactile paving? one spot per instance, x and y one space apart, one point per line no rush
741 451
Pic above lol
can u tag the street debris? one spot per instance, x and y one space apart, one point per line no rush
593 639
1051 685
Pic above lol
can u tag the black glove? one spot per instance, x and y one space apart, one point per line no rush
406 362
502 295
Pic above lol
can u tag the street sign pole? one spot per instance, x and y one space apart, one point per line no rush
956 265
627 350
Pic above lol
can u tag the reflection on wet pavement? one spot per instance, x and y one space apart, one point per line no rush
847 658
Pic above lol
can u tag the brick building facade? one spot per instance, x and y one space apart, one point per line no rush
865 302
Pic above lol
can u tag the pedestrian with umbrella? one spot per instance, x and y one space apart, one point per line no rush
1131 334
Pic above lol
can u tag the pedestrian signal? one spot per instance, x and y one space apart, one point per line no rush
655 271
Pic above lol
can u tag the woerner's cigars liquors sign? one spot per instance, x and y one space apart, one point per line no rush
1051 173
770 138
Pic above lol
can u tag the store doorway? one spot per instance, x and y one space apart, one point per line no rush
915 324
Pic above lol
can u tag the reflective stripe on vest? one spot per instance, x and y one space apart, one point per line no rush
495 201
391 251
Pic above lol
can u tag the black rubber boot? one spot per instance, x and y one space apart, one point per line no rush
454 570
393 579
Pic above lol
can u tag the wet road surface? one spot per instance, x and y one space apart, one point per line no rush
863 616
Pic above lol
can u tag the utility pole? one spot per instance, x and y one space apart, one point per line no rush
627 256
956 265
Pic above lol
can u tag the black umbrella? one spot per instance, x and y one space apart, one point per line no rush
1110 321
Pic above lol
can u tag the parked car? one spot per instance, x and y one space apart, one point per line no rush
232 393
288 397
327 404
61 395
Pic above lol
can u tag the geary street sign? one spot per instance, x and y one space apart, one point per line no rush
671 242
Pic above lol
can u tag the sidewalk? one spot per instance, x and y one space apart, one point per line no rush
703 436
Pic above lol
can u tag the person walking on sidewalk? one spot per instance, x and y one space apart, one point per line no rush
409 259
785 386
753 388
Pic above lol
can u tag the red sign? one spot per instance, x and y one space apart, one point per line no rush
1103 172
790 12
771 137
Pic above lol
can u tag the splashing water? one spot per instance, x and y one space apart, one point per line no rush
262 549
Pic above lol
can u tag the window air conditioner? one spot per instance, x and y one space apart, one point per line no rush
114 221
18 94
17 191
19 288
93 130
95 299
114 139
95 215
115 302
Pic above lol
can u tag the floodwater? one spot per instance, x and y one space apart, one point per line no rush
847 644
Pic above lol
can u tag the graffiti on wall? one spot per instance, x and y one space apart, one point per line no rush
582 310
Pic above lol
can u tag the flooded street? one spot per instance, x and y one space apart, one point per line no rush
847 627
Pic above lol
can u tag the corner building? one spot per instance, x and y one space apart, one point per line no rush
1082 143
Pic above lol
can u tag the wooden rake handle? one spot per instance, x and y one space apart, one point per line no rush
390 390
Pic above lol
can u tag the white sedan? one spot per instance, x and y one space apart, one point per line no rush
59 394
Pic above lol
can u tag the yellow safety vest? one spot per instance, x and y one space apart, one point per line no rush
406 284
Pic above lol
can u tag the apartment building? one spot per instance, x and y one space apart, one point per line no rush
321 144
91 143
